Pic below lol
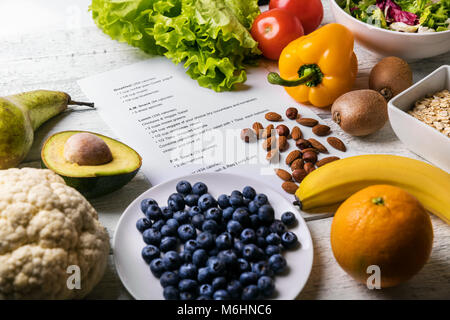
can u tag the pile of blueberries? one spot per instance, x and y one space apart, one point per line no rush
230 247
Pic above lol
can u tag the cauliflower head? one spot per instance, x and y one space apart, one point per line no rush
45 227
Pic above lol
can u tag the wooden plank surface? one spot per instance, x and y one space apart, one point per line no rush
55 56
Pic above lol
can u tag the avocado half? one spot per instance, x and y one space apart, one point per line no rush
91 181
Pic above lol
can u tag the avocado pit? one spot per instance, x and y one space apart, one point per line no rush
86 149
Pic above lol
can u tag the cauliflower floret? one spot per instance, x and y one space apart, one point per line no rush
45 227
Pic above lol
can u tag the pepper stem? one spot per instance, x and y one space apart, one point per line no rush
378 201
309 75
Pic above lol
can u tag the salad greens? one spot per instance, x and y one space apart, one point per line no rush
211 37
401 15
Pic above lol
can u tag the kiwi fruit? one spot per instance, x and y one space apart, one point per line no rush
390 76
360 112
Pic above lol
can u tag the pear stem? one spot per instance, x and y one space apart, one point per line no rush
78 103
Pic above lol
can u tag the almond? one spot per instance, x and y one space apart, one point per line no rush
309 167
289 187
282 144
308 122
310 156
297 164
282 130
326 160
273 116
337 144
248 135
273 156
258 128
302 144
316 144
292 113
283 174
267 132
296 133
299 174
310 150
321 130
269 143
293 155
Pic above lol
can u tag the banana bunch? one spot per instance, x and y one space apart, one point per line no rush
324 189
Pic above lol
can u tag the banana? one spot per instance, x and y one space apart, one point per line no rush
325 188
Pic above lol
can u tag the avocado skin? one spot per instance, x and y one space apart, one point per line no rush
94 187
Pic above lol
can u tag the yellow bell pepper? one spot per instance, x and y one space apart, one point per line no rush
319 67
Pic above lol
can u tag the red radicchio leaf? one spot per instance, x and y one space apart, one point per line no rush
393 12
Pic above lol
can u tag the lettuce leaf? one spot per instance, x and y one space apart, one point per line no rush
211 37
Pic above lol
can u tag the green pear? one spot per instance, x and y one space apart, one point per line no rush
21 114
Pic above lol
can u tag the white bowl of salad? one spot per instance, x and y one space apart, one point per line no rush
409 29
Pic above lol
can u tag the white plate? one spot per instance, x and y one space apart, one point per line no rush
127 243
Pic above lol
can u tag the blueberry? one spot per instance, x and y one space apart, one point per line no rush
246 202
253 207
272 249
143 224
228 257
166 213
147 203
278 227
221 295
199 188
254 221
250 252
234 227
266 214
262 231
214 214
186 256
248 236
197 221
288 218
236 193
157 267
158 225
206 201
261 242
247 278
184 187
224 201
277 263
153 212
206 290
249 193
205 240
168 244
236 201
273 239
150 253
204 275
215 266
187 285
186 295
193 211
238 245
241 215
262 268
173 223
187 271
234 288
266 286
243 265
250 292
171 260
181 216
199 257
289 240
169 278
176 202
227 213
219 283
224 241
167 231
210 226
213 252
186 232
171 293
152 236
190 245
261 199
191 200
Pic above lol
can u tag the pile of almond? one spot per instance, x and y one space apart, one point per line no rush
301 161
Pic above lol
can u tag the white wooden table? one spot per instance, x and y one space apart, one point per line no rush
49 44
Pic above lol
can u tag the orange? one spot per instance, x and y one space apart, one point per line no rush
385 226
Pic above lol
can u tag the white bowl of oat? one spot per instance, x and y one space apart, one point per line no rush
420 117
